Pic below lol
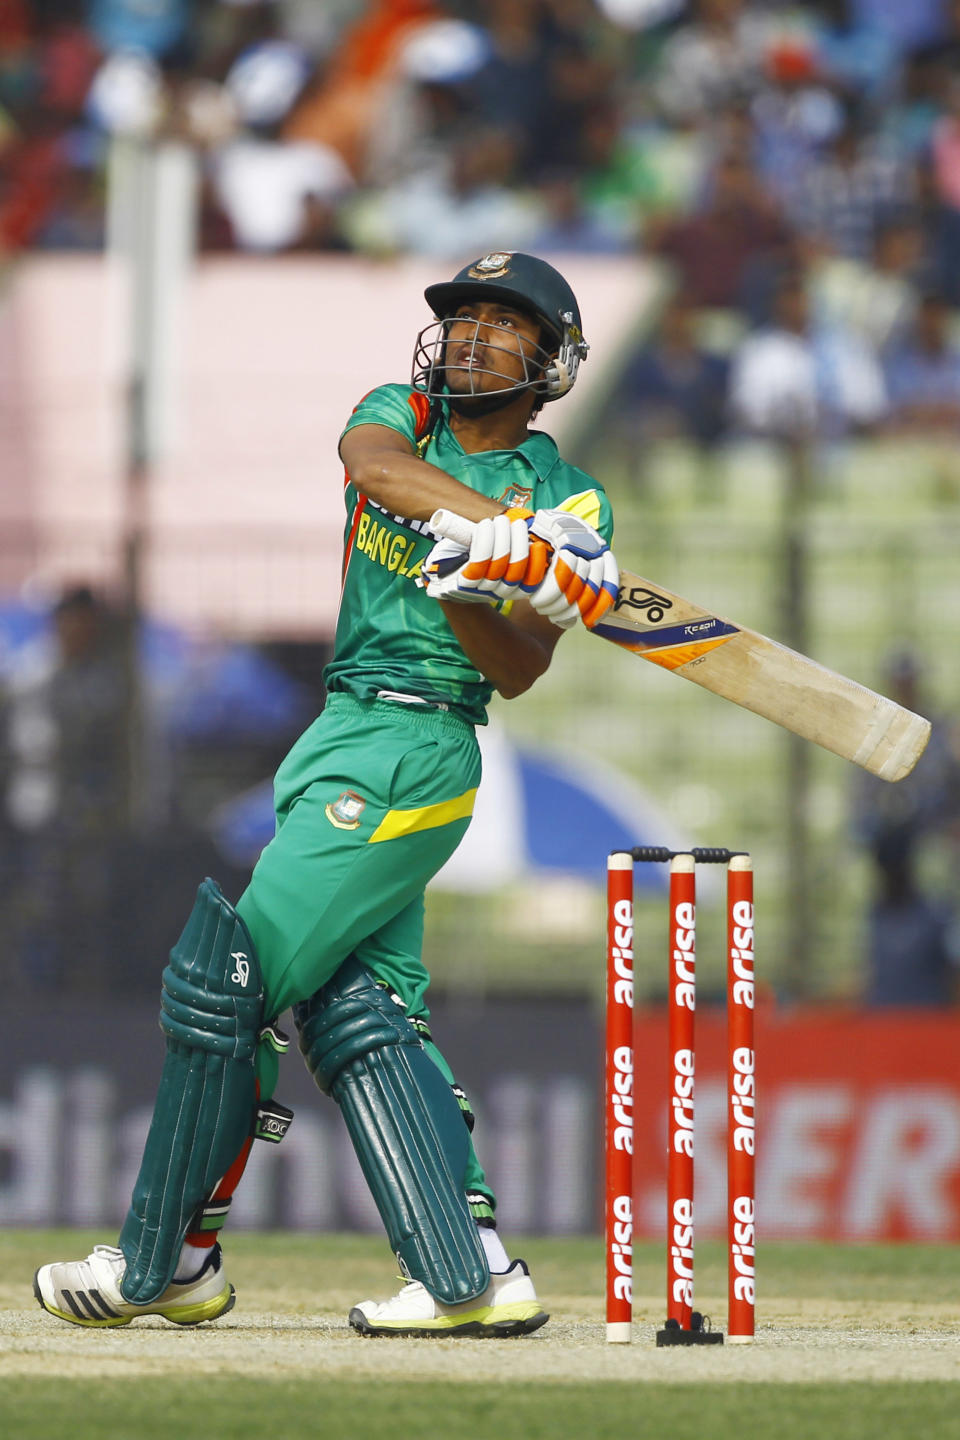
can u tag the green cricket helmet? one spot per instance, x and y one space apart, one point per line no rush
525 283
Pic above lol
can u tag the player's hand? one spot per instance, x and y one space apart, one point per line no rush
583 580
503 559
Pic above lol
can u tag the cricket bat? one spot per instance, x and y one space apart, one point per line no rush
753 671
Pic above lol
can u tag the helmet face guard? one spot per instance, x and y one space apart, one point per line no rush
522 282
548 375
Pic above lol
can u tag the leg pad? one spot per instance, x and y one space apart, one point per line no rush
406 1128
211 1012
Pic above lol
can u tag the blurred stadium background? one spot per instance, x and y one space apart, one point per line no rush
216 223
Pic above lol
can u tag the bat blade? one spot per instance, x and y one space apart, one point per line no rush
753 671
766 677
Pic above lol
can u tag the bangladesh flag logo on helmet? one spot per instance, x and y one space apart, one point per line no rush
491 266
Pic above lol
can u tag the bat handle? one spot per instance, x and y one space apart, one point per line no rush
452 527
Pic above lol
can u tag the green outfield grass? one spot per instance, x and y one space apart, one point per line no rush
218 1409
865 1318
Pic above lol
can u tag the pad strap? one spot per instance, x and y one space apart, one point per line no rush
406 1128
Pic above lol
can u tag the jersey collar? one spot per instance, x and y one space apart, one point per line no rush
539 450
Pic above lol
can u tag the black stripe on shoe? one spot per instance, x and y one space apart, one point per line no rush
73 1304
88 1305
106 1308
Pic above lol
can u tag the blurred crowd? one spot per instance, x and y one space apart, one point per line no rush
792 168
795 166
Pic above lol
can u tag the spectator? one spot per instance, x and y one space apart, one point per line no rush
909 117
927 801
546 75
941 57
845 194
277 194
673 386
945 149
46 64
721 250
923 375
430 98
343 108
853 51
941 236
636 175
796 380
913 941
472 199
569 224
63 750
908 26
159 29
716 59
877 301
514 85
791 120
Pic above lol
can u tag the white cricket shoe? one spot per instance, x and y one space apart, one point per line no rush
507 1307
87 1292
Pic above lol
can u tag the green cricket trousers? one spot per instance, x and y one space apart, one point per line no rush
371 801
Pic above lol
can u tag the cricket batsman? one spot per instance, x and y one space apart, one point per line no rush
370 803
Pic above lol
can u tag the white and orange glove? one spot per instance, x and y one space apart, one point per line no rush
583 580
505 559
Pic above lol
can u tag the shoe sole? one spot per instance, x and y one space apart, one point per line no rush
507 1329
182 1315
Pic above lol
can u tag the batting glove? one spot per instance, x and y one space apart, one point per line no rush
583 580
442 575
503 560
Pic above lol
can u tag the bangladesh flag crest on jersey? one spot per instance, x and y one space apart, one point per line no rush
345 813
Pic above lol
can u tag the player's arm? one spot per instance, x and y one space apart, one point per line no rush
510 651
382 464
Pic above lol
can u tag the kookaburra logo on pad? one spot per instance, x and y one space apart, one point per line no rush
491 266
241 974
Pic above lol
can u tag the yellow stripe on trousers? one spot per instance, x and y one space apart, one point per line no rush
406 822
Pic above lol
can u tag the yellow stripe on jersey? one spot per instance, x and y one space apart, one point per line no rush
586 506
428 817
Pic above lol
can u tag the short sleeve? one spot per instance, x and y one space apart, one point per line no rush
399 407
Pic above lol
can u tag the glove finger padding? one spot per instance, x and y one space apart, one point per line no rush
538 563
550 600
502 553
584 567
490 548
606 591
572 572
578 587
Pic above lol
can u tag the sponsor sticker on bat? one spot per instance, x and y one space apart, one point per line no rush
652 606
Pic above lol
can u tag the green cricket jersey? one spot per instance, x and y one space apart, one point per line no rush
390 634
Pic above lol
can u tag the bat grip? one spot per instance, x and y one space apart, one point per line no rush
452 527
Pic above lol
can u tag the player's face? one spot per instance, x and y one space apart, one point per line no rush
490 347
